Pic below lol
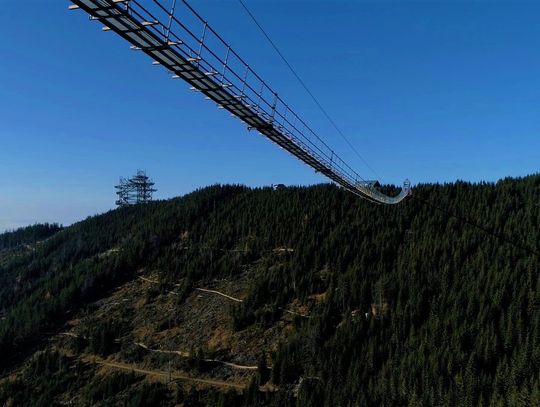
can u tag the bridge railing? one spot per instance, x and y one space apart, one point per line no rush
223 76
194 38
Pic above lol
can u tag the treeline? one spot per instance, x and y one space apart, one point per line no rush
28 235
409 305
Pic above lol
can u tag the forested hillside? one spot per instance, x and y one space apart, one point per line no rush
27 235
333 301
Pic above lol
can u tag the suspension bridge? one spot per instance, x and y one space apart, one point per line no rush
181 40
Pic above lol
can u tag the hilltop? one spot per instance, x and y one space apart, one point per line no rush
300 296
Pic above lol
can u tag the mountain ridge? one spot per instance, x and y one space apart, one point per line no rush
385 288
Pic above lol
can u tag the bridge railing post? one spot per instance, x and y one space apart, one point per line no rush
274 104
244 79
284 117
259 99
226 61
169 24
201 42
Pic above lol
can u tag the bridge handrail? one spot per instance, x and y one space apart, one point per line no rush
225 72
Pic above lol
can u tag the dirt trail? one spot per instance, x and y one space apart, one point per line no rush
161 375
233 365
219 293
198 289
206 290
148 280
186 355
176 352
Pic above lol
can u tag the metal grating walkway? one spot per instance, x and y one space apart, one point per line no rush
184 43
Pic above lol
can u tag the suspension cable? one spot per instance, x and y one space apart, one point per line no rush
319 105
500 236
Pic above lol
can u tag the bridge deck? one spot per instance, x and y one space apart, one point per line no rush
237 94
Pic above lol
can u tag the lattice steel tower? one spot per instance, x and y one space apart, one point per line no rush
135 190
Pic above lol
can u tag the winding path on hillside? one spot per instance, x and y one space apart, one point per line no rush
187 354
219 293
161 375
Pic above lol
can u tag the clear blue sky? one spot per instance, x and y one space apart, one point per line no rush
432 91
